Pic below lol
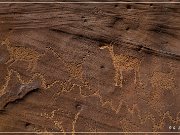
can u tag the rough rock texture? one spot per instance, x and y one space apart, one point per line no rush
89 67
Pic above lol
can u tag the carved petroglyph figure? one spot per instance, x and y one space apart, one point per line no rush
123 63
20 53
163 81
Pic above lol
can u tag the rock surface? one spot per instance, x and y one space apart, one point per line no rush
89 67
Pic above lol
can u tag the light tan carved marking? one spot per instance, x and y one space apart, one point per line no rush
108 103
74 122
56 123
6 84
22 54
75 70
163 80
123 63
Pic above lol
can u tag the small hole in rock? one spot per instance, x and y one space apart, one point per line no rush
128 6
139 48
151 5
127 28
85 20
27 124
116 5
101 45
78 106
102 66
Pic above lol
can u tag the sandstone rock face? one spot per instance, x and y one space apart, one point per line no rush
106 67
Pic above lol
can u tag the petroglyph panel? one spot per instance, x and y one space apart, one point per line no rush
89 68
